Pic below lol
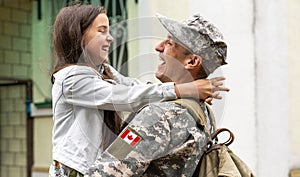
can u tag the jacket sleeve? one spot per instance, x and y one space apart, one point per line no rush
84 87
120 79
160 132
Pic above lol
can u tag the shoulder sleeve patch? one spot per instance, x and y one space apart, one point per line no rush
124 143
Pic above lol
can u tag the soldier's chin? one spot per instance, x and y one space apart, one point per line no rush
160 76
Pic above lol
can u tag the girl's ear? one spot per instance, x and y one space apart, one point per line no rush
193 61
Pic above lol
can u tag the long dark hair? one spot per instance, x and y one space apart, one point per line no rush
68 34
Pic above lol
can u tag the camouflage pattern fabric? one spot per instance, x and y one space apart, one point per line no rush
171 145
200 37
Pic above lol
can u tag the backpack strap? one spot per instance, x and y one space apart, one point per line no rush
213 144
196 111
211 117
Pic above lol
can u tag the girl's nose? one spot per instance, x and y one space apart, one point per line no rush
109 38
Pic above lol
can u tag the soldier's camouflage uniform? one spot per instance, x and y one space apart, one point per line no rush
171 145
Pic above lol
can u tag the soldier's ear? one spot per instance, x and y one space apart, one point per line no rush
194 61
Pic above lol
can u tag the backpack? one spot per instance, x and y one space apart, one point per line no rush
218 160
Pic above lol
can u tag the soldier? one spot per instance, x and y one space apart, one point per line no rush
166 138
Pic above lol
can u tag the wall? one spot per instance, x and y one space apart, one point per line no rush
132 42
15 61
42 62
13 132
294 85
41 52
42 146
272 72
15 39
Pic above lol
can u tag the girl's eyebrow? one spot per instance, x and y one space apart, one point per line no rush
102 26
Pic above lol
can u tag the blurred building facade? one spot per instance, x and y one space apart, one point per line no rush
261 108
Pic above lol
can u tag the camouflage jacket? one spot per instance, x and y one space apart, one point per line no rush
162 140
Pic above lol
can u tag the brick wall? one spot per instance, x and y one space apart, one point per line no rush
15 62
15 38
13 132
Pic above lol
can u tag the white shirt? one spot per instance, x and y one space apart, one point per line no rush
79 97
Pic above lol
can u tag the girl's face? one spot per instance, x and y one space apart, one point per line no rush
97 39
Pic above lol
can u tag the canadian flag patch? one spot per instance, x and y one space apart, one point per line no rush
130 137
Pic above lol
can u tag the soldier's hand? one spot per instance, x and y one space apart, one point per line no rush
216 87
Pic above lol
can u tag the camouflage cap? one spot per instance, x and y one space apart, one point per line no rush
200 37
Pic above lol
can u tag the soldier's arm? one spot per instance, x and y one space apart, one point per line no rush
150 135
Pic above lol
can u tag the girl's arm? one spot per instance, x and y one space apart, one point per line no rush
200 89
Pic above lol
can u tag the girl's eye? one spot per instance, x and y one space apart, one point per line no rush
102 30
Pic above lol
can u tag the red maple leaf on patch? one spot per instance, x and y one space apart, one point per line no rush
129 137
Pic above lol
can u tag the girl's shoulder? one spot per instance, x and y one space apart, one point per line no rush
75 70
